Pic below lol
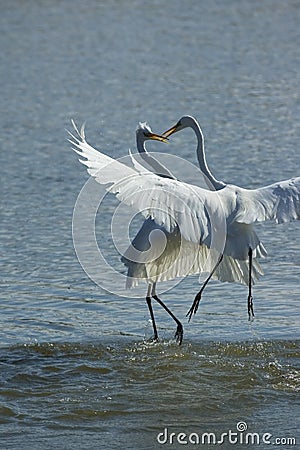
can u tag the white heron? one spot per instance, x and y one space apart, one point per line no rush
229 269
188 214
213 184
192 257
216 185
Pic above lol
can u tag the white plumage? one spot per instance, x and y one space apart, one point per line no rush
188 214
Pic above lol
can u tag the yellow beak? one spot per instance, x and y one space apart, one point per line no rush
170 131
158 137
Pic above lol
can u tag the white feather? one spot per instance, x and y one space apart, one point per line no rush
184 212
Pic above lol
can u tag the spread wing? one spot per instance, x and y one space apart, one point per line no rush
279 201
170 203
195 211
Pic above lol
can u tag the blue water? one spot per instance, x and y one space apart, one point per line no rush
77 370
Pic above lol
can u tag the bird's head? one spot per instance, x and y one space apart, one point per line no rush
144 133
183 122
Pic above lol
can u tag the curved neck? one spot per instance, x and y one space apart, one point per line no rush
210 180
159 169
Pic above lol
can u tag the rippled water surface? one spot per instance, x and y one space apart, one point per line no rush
78 368
119 391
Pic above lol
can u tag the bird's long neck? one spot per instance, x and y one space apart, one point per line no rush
159 169
211 181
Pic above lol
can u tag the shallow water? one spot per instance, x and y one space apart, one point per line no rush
120 391
78 368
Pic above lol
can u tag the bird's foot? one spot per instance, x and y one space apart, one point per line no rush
250 307
179 334
194 308
154 339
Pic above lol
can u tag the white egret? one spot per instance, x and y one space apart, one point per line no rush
179 257
189 213
214 184
141 243
227 270
211 181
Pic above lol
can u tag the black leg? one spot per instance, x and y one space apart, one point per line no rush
179 331
250 298
193 309
155 335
